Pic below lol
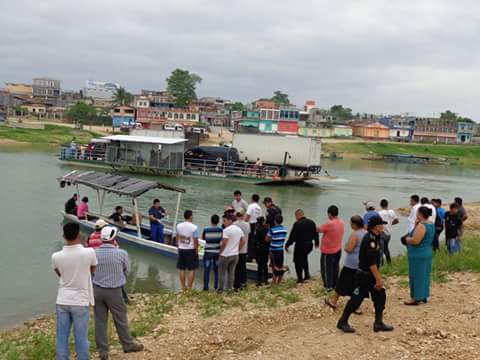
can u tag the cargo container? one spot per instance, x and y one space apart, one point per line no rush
303 153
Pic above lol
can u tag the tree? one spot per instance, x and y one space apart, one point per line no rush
341 113
122 97
448 115
238 106
280 98
81 113
181 84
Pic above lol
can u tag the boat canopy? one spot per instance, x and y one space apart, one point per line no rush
117 184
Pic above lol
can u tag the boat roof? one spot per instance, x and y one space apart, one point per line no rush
145 139
117 184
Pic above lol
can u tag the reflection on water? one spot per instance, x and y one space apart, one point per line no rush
32 201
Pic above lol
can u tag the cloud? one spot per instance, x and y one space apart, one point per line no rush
374 56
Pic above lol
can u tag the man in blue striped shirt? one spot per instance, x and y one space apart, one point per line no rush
110 277
212 236
276 237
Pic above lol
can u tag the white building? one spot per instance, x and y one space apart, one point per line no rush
100 89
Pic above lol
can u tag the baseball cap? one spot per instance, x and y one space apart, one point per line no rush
369 204
375 220
100 224
267 200
108 233
241 212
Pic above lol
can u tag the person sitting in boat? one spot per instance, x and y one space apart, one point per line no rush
156 213
82 209
118 218
95 239
71 205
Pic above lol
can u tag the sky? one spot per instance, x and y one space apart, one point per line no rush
375 56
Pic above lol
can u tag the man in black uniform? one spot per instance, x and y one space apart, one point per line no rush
272 211
368 279
303 233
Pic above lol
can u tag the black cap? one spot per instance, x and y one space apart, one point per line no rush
375 220
267 200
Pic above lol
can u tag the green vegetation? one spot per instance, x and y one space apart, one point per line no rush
467 260
466 154
341 113
181 84
450 115
122 97
81 113
51 135
280 98
238 106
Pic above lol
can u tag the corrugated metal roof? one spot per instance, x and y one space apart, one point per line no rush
145 139
118 184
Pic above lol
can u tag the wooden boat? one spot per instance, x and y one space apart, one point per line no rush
132 235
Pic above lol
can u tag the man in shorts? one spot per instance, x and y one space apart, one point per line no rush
276 237
187 240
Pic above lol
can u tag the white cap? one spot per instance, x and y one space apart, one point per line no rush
108 233
100 224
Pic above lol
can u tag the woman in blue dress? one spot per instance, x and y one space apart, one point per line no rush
419 248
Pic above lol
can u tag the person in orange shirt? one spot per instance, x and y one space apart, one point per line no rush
331 247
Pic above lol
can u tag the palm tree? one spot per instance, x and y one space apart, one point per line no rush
122 97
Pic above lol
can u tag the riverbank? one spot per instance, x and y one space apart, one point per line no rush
466 154
50 135
291 321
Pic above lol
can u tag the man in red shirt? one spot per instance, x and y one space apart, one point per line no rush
331 247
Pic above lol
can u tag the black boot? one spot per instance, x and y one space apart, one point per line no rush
343 324
379 325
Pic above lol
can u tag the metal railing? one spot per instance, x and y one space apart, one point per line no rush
68 152
233 168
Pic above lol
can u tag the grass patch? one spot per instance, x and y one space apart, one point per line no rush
467 260
151 313
52 135
466 154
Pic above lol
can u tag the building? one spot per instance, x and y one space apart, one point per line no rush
46 88
269 113
288 120
100 89
154 118
161 99
401 127
374 131
19 89
435 130
334 131
214 111
36 109
465 132
122 116
141 102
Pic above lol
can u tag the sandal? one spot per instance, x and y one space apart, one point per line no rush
411 303
330 305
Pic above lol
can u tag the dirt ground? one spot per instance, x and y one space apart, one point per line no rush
448 327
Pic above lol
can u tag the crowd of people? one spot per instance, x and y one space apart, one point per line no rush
94 273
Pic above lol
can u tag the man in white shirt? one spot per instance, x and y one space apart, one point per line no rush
74 265
187 242
233 240
241 269
391 218
254 211
425 202
238 203
412 218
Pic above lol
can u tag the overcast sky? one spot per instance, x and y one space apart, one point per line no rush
418 57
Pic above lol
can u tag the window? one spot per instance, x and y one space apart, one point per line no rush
188 116
181 116
175 116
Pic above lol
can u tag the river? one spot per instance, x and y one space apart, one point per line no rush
31 202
